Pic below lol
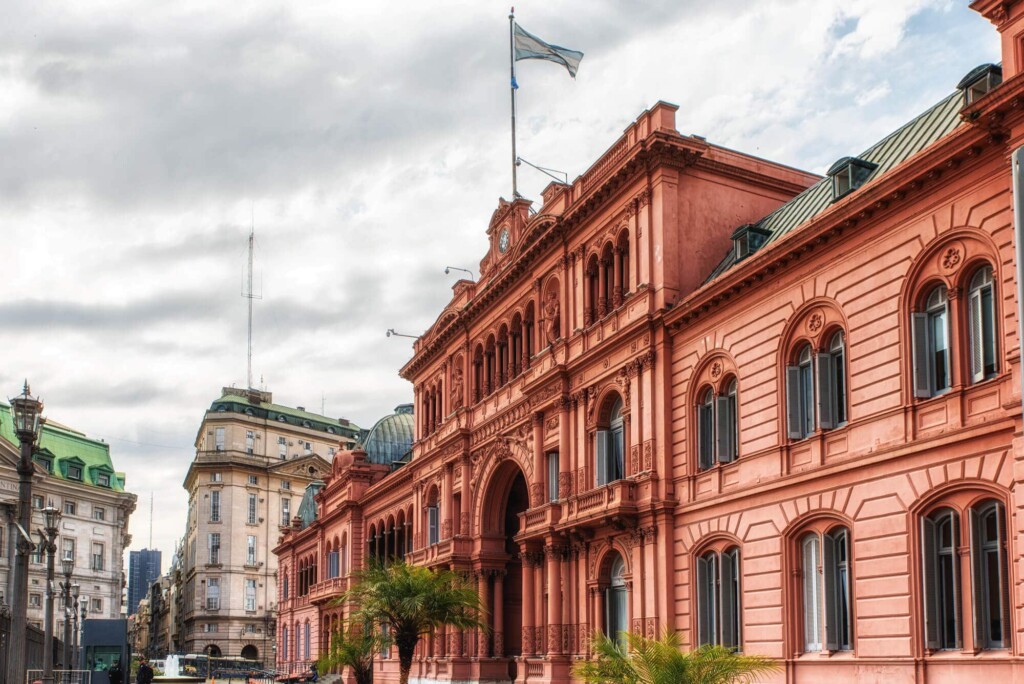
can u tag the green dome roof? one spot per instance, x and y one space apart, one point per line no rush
390 439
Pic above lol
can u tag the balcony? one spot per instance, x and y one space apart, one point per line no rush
596 507
328 589
539 520
443 551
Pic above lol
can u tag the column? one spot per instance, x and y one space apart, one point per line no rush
540 633
499 614
485 599
554 637
567 603
599 612
565 464
617 280
602 288
528 626
448 501
538 490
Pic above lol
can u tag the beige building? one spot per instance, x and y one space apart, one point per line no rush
75 475
253 462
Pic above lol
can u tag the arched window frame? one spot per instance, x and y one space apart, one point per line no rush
719 596
610 445
817 387
932 343
982 324
718 424
614 587
824 552
962 563
433 513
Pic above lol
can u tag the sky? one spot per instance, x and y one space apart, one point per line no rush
368 144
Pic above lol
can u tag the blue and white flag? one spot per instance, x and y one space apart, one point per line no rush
528 46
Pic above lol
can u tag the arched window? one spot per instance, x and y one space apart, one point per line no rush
718 598
306 655
982 325
717 430
800 395
825 590
931 345
833 389
610 448
616 617
942 537
284 643
433 518
816 388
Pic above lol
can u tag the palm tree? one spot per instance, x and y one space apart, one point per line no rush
660 661
352 648
412 601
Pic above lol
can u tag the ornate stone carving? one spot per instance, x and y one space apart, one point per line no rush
499 644
634 458
552 422
446 528
554 638
536 494
457 397
564 485
951 258
651 627
716 370
464 522
815 322
552 319
649 455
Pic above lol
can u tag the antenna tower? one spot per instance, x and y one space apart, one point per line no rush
250 295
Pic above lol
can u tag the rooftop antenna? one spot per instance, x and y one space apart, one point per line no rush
250 295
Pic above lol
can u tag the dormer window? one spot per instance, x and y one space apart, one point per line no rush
747 239
848 174
979 82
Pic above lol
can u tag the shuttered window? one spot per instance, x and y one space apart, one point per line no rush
816 389
930 331
553 476
609 448
981 325
706 429
825 576
616 602
717 429
800 395
718 598
433 525
941 578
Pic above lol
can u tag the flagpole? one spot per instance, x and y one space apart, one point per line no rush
512 88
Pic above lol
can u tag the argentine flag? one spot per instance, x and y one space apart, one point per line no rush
528 46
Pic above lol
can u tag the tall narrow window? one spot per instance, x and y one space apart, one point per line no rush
800 395
718 598
213 593
989 576
931 345
284 643
251 517
726 434
940 537
286 512
832 383
250 441
250 594
706 429
982 325
332 564
250 549
219 438
213 544
97 556
616 621
307 640
282 448
553 476
433 526
215 506
610 447
825 576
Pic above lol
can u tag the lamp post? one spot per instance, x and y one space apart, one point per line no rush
79 631
27 412
68 566
48 543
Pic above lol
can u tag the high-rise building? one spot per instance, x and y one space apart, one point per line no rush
143 568
254 460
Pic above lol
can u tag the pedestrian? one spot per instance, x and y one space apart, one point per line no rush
316 675
115 673
145 673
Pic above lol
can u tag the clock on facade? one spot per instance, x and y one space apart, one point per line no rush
503 240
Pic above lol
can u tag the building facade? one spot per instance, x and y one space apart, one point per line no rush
143 568
253 462
75 474
808 448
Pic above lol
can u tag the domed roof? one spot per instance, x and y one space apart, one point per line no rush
390 439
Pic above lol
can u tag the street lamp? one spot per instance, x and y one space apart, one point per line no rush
48 543
27 412
67 565
79 624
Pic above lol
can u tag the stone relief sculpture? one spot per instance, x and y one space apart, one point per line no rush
552 320
457 388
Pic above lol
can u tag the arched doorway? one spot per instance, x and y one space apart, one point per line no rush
615 603
518 501
250 652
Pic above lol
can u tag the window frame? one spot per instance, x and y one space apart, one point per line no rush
610 446
826 604
982 327
718 424
924 351
719 595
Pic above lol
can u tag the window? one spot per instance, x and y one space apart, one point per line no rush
215 506
800 395
67 548
979 81
219 438
285 484
286 512
942 537
284 643
216 477
930 330
307 448
99 513
46 463
97 556
250 549
282 448
848 174
70 508
37 502
616 619
210 627
330 452
717 428
832 383
718 598
285 585
250 440
332 564
97 605
825 580
103 480
982 325
251 515
213 546
433 526
213 593
553 476
250 594
254 480
385 641
35 600
74 472
610 448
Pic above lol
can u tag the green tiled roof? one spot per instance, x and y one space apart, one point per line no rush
292 416
63 447
911 138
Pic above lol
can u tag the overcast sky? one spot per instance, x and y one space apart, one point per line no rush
370 142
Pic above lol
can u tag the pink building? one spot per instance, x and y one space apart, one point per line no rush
808 449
